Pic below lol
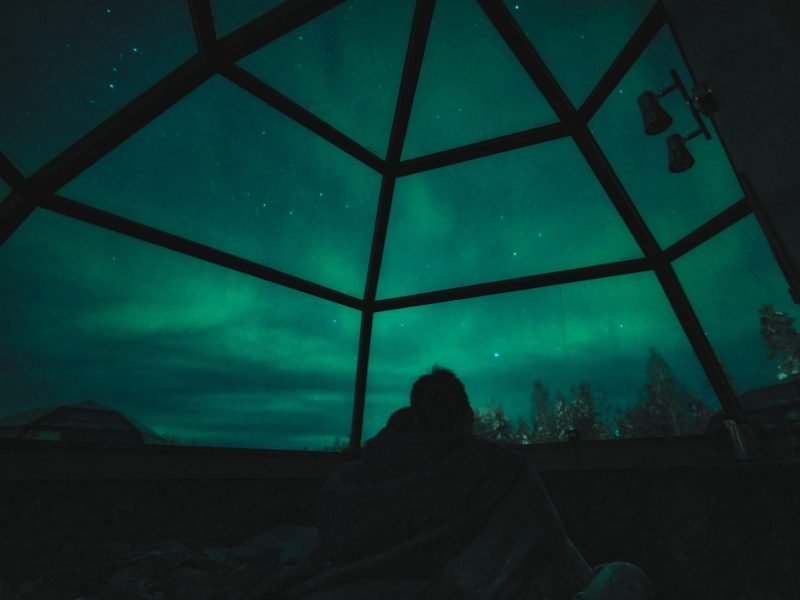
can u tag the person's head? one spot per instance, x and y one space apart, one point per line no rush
439 403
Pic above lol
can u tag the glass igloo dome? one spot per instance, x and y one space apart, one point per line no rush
254 224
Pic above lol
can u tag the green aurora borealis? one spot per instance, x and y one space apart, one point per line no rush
214 357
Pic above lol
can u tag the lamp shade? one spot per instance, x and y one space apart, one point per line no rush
680 159
654 117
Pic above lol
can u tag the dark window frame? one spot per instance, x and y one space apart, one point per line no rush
219 55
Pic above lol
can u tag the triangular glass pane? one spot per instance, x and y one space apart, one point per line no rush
199 354
345 67
731 280
70 65
579 40
471 86
534 210
224 169
672 204
232 14
602 332
5 190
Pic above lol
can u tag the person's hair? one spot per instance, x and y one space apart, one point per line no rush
440 404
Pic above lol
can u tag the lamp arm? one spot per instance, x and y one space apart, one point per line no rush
695 113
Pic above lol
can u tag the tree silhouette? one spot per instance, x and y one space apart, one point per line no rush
663 405
698 414
492 424
523 433
782 339
541 412
584 413
339 444
562 417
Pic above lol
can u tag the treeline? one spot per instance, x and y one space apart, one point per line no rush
664 408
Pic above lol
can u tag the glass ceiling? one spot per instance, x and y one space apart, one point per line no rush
241 257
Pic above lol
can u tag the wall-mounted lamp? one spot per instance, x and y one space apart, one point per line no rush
657 120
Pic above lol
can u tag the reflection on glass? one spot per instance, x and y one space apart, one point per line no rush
579 40
471 86
345 67
224 169
232 14
540 362
672 204
533 210
194 352
76 63
742 301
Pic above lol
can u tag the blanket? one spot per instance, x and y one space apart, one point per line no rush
440 515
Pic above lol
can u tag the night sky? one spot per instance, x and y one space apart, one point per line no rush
209 356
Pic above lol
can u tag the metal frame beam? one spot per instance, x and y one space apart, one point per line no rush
652 24
282 19
730 216
625 267
423 14
14 208
790 272
483 148
10 174
516 39
95 216
291 109
203 23
700 344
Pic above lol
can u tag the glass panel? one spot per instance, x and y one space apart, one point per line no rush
73 64
618 335
742 300
672 204
232 14
533 210
471 86
579 40
223 168
344 66
196 353
5 189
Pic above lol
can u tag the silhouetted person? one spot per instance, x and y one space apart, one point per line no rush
400 423
439 403
430 511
